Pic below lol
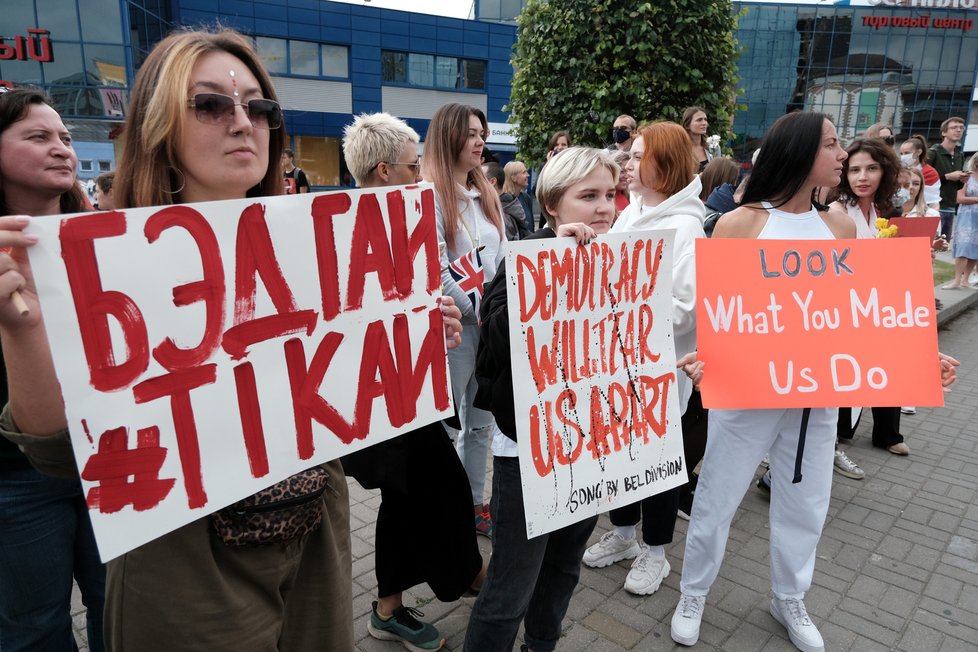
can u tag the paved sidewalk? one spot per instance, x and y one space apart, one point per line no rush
897 565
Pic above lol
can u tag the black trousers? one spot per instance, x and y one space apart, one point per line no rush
658 512
425 532
886 426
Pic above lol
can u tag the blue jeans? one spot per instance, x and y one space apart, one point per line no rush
45 540
531 578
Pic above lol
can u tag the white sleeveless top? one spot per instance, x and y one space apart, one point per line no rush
794 226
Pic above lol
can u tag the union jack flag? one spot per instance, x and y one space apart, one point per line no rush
467 271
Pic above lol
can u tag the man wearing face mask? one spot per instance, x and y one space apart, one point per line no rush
621 133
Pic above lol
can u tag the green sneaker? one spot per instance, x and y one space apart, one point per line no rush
405 627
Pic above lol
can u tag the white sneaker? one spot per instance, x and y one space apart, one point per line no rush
647 573
845 466
801 630
686 619
610 548
908 410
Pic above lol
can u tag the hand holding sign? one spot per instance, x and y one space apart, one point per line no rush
14 268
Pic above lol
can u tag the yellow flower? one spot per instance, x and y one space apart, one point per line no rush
885 230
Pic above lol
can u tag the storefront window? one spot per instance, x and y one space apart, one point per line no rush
393 66
446 72
319 157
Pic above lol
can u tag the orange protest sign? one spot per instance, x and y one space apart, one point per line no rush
816 323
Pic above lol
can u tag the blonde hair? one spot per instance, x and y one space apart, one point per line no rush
373 139
447 133
148 173
563 171
512 169
919 204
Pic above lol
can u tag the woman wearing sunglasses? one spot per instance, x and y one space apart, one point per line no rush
203 125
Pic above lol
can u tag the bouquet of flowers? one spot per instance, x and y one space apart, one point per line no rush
713 144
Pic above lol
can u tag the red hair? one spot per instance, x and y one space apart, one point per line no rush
667 158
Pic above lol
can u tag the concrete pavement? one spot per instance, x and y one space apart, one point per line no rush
897 565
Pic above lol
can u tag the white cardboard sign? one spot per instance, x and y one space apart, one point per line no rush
207 351
594 370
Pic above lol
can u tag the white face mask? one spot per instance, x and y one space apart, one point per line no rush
901 197
908 160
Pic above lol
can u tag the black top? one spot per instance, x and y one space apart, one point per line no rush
493 370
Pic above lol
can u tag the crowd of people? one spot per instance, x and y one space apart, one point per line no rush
187 141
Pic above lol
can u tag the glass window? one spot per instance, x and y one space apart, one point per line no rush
272 53
104 166
67 65
304 58
868 105
105 64
421 69
21 72
100 21
17 17
335 61
473 74
58 16
85 165
393 66
446 72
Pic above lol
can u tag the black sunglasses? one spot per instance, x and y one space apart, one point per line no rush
218 109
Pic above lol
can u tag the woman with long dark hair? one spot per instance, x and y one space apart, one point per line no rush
800 153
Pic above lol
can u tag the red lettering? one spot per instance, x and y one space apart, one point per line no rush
307 404
543 360
370 253
567 400
255 257
324 209
249 410
430 359
543 466
210 289
93 305
177 385
127 476
526 273
405 248
40 49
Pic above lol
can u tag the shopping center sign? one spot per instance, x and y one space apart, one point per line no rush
36 46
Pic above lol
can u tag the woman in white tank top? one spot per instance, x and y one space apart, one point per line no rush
800 153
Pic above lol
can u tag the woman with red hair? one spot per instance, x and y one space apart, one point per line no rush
662 173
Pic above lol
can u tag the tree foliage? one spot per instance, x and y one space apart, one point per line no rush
579 64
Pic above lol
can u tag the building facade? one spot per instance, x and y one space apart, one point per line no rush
905 63
908 63
329 61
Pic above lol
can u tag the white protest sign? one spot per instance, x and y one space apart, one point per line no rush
207 351
594 374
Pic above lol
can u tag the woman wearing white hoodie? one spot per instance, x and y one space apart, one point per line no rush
666 190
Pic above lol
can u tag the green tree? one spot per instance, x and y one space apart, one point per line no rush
579 64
